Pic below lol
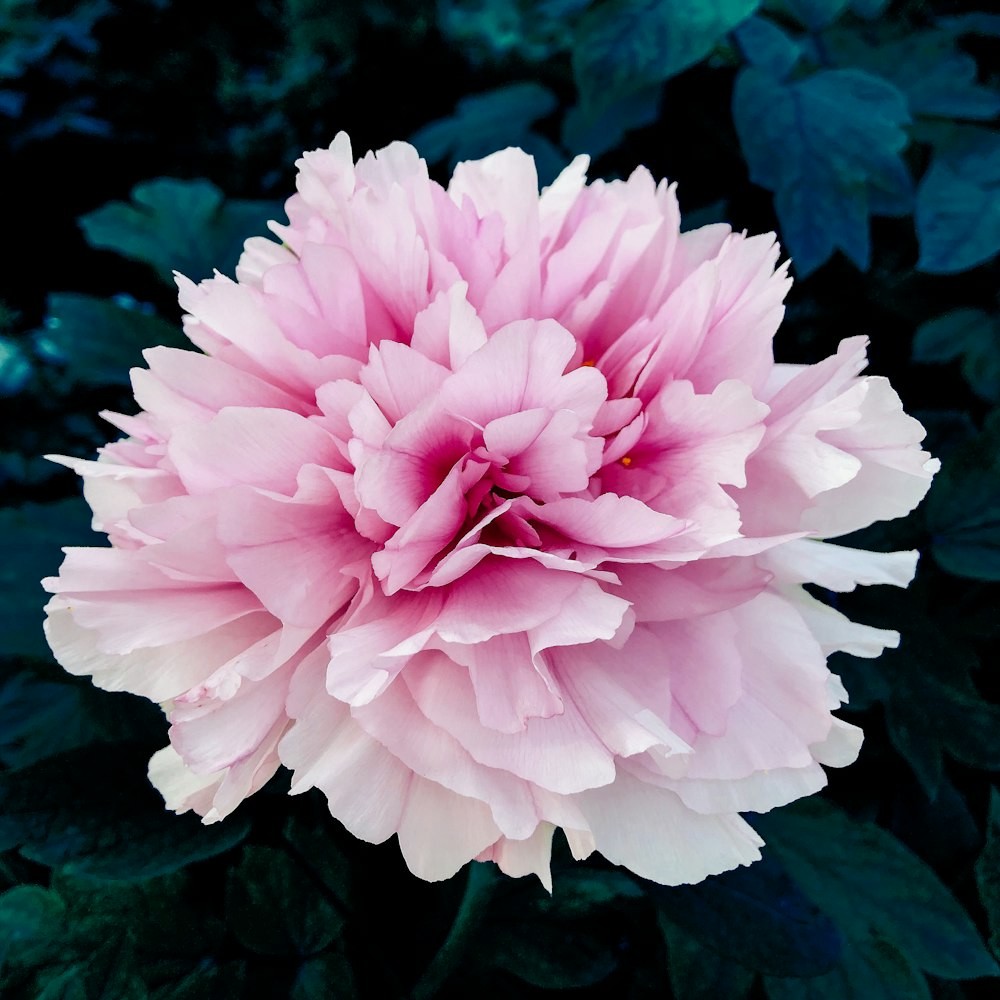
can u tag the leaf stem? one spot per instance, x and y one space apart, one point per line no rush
478 889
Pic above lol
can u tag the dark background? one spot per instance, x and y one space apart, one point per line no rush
881 115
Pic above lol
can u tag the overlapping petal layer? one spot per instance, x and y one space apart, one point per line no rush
489 513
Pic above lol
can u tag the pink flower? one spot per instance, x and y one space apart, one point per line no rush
488 513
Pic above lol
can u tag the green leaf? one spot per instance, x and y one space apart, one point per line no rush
31 918
178 225
15 367
565 940
756 916
315 851
597 130
877 892
938 79
827 145
93 811
969 334
100 340
697 972
870 970
958 203
484 123
624 46
988 873
768 47
963 508
327 977
816 14
869 9
31 536
274 908
40 717
931 704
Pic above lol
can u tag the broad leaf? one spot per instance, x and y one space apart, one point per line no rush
30 918
871 969
932 706
31 537
963 508
697 972
624 46
275 908
597 130
326 977
42 715
938 79
816 14
967 334
988 873
829 147
756 916
93 811
484 123
100 340
876 891
566 940
768 47
958 203
15 367
178 225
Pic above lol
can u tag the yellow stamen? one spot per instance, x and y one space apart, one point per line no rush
626 461
590 363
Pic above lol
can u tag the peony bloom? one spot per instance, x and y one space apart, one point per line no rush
488 513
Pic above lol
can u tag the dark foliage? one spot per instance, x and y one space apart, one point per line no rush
143 136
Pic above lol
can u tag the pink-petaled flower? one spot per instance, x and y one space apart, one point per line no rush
486 513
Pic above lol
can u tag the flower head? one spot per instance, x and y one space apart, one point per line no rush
488 513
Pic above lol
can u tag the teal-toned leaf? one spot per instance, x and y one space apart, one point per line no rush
624 46
274 908
493 30
597 130
963 508
326 977
816 14
41 716
824 145
988 873
938 78
566 940
698 973
869 9
314 850
178 225
31 918
932 706
871 969
768 47
93 811
875 890
484 123
967 334
958 203
31 537
946 338
165 915
99 340
65 985
552 955
211 981
974 23
15 367
755 916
